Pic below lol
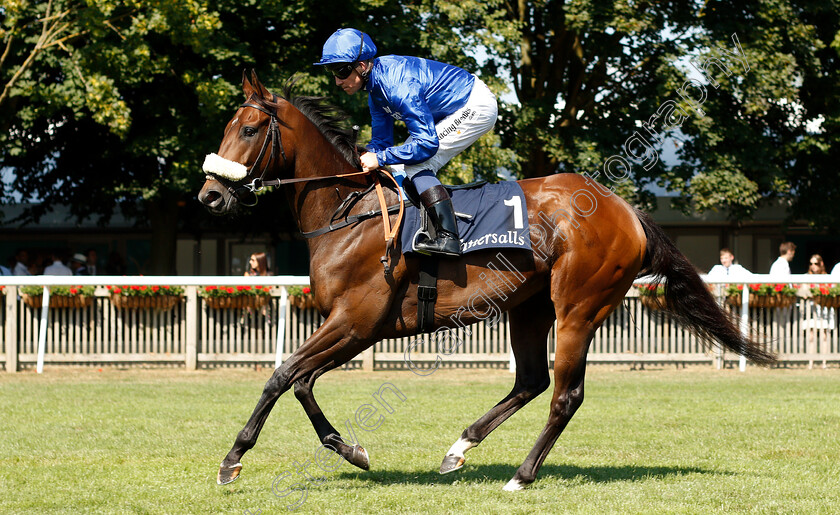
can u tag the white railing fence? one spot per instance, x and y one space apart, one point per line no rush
193 335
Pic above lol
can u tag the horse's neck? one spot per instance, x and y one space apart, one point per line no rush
314 202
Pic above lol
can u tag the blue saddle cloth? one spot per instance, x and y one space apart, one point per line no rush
496 217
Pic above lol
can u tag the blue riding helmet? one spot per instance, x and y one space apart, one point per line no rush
347 46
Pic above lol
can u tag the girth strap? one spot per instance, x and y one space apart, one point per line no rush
427 294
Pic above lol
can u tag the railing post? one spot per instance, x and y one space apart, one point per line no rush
745 323
367 359
42 330
11 336
191 345
281 326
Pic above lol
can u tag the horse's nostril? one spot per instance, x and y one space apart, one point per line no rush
210 198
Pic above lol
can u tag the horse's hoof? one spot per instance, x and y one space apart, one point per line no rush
228 474
451 463
359 457
514 485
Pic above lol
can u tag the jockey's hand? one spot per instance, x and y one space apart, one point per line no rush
369 161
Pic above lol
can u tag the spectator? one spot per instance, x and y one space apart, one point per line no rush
782 265
21 263
7 270
816 265
257 264
819 317
835 272
91 261
116 264
57 267
727 267
78 264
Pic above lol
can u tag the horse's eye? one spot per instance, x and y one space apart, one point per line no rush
249 132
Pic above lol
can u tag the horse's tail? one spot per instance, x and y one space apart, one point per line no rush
688 300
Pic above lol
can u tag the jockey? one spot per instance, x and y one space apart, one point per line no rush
445 109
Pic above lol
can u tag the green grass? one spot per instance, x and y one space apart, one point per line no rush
659 441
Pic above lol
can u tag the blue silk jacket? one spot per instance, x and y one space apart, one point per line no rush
420 92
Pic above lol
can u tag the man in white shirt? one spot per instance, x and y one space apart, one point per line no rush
727 267
57 268
835 272
782 265
21 260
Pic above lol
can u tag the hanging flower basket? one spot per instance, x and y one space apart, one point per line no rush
827 302
763 301
302 301
78 301
653 302
826 295
60 296
652 296
301 297
236 302
762 295
145 297
236 297
163 302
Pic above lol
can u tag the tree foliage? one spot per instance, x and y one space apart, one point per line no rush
122 113
768 133
588 76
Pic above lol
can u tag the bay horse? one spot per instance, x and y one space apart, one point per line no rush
576 276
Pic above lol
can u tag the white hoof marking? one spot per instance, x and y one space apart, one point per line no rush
460 447
513 486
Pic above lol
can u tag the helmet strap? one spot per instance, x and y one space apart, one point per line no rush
365 74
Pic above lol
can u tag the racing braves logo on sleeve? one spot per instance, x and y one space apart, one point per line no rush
394 115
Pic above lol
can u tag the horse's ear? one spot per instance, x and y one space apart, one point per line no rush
247 88
261 90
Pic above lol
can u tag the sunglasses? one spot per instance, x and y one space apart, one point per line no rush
343 70
815 263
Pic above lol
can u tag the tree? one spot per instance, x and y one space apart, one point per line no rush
590 77
775 128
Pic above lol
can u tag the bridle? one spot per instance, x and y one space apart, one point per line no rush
246 192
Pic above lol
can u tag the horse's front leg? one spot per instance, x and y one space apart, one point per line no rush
319 351
329 436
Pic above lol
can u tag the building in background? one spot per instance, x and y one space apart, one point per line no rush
755 242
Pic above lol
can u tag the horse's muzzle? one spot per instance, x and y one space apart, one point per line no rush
215 197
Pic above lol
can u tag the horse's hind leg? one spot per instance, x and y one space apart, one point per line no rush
329 436
569 371
530 323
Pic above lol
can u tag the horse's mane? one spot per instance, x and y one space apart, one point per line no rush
329 119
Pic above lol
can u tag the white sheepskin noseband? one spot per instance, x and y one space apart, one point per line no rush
224 168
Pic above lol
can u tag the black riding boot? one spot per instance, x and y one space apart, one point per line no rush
439 206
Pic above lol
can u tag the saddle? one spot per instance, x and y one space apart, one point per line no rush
427 278
490 217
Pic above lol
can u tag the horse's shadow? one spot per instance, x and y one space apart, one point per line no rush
482 473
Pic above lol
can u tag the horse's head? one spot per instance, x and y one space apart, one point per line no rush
252 151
